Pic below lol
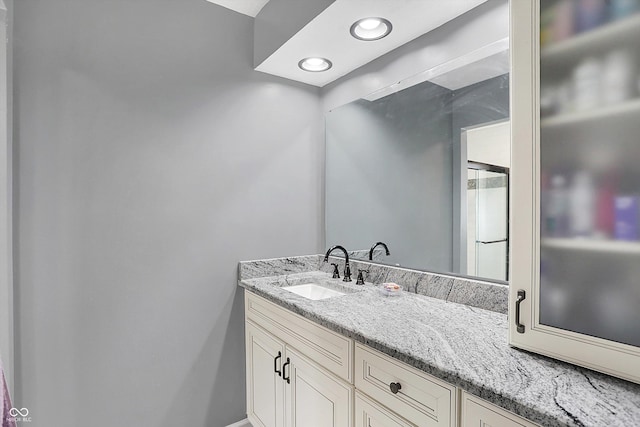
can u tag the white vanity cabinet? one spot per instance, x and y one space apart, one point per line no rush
575 192
286 385
300 374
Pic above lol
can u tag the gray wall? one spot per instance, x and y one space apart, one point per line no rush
389 178
149 160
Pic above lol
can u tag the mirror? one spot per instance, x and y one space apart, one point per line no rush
423 166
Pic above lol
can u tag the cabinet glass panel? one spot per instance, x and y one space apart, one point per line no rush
590 167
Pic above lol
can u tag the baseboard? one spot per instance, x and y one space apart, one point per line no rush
241 423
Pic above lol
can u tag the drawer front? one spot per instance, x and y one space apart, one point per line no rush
332 351
369 413
480 413
421 398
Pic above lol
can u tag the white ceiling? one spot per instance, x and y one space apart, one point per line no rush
246 7
328 35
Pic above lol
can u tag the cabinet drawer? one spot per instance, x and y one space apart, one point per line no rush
330 350
421 399
480 413
370 413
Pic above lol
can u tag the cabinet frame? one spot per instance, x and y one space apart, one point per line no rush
620 360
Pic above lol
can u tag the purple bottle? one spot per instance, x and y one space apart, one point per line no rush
590 14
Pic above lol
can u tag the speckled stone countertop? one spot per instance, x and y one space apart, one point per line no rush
464 346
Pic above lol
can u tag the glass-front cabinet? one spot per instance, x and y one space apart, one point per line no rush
575 222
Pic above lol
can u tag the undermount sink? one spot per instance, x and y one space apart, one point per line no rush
313 291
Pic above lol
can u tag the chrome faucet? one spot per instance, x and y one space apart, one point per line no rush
375 246
347 269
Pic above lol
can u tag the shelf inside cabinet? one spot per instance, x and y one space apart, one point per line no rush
601 39
626 111
591 245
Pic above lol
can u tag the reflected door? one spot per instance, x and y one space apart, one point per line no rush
487 217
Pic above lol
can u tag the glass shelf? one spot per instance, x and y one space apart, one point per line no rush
592 245
623 112
597 40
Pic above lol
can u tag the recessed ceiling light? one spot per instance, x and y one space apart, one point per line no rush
315 64
369 29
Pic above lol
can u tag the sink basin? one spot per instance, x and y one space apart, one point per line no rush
313 291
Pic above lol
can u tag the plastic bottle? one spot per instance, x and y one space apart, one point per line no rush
618 76
556 215
582 205
620 9
590 14
605 212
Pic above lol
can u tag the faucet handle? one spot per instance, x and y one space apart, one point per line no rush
347 272
360 279
336 273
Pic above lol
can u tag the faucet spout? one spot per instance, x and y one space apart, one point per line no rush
384 245
347 269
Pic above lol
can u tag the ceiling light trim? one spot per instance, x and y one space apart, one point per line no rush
323 63
358 26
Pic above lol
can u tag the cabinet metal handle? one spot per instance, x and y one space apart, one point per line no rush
521 296
284 372
275 364
395 387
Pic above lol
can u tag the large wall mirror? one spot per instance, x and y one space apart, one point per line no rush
423 166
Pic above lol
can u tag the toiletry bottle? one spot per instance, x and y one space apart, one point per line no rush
605 214
556 215
627 211
587 83
590 14
563 22
618 76
582 205
620 9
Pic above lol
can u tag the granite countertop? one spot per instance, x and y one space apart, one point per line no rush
464 346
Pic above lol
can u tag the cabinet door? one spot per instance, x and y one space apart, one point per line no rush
265 386
575 219
314 397
478 413
369 413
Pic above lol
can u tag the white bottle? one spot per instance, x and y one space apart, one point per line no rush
556 211
582 205
587 84
618 76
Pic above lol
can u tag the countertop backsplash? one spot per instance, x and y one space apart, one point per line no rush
474 293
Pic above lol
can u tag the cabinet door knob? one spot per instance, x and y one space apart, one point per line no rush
395 387
275 364
284 372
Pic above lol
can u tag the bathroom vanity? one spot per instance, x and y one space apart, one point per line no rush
365 359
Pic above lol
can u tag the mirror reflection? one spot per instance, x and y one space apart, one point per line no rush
422 168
